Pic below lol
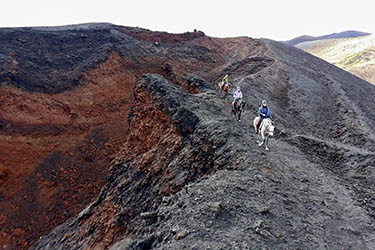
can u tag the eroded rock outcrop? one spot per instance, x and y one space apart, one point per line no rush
171 143
183 173
190 177
65 96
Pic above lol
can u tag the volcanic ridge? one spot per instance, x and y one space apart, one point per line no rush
115 137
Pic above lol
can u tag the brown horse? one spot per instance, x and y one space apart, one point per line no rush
223 87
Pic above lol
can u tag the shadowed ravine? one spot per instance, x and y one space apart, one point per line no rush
186 175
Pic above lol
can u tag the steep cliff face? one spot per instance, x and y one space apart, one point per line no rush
65 97
171 143
142 122
190 177
55 149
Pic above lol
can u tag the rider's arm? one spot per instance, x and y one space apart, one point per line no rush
268 113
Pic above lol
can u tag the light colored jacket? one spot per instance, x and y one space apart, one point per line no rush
237 95
225 79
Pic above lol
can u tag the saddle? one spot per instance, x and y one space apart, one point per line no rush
256 120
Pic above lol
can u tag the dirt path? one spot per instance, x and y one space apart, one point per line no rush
334 144
274 200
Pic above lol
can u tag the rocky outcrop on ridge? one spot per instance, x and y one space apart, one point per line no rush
188 176
206 185
65 96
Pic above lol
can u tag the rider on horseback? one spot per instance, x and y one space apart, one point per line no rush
237 99
237 95
224 82
263 112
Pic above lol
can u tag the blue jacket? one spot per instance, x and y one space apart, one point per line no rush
264 112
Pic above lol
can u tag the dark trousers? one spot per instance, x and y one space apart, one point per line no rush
223 86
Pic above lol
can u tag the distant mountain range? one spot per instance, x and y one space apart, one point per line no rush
355 55
344 34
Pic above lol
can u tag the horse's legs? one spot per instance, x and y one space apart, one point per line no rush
266 143
261 139
235 111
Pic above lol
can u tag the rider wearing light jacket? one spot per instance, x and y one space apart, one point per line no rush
263 112
237 95
225 79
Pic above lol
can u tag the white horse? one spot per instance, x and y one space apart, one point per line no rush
266 130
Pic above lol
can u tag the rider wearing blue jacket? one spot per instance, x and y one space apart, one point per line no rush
263 112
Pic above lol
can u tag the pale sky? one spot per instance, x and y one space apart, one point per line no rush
277 20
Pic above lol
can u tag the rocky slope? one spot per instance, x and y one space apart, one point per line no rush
65 96
355 55
188 176
203 183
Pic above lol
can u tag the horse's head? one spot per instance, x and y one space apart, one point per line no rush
271 129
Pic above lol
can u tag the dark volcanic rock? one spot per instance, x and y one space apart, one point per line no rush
48 60
187 146
190 177
249 66
52 60
289 198
64 98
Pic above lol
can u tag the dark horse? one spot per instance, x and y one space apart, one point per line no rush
237 108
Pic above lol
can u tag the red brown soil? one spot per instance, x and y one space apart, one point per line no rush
147 142
81 130
55 150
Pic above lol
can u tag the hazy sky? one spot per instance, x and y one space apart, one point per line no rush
278 20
